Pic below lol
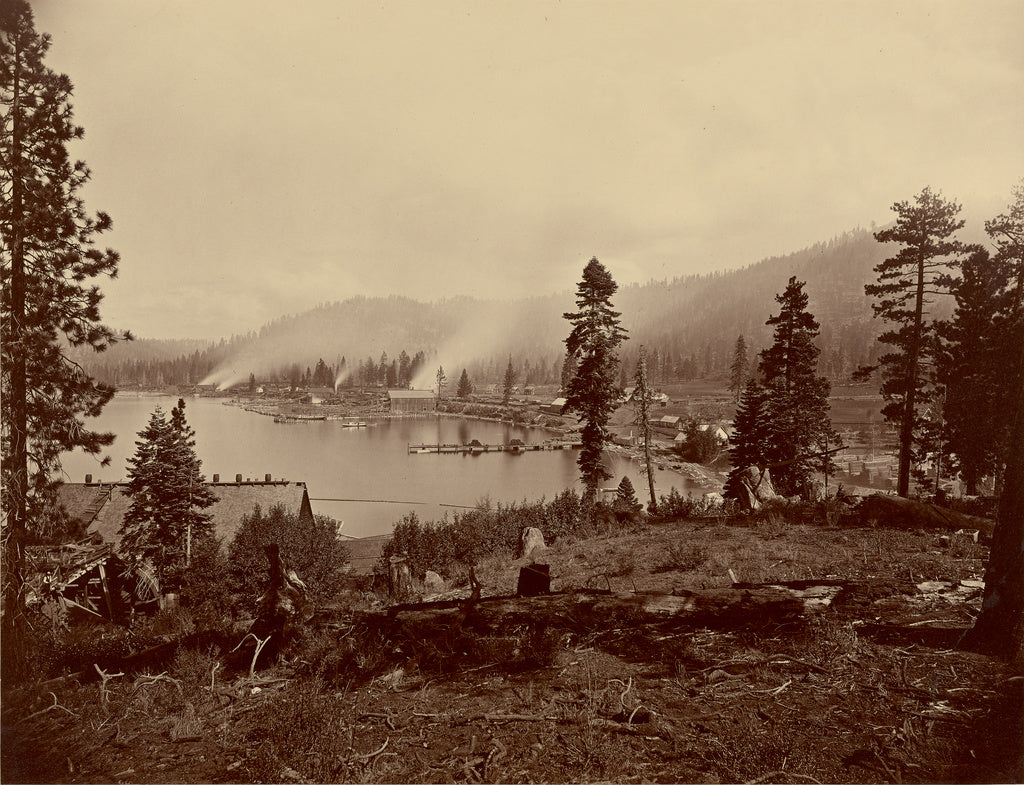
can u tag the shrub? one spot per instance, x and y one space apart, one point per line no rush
685 557
205 585
311 547
701 446
675 506
459 541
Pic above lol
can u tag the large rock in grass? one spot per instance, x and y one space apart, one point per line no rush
755 488
433 583
531 542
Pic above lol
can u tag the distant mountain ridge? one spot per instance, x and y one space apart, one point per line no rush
689 325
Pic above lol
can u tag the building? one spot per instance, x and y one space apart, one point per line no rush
411 401
100 508
555 407
670 423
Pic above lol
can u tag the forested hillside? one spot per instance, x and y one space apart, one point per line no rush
689 325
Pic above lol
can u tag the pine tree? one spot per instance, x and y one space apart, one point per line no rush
750 436
592 393
48 256
625 497
973 370
568 371
441 382
797 407
1006 231
907 282
404 366
641 405
999 628
740 368
465 388
509 382
168 494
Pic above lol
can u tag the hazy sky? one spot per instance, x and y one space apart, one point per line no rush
259 158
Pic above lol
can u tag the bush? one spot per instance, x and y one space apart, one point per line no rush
205 585
700 446
454 543
675 506
311 547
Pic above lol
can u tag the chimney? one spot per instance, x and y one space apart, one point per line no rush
216 478
266 478
238 478
88 479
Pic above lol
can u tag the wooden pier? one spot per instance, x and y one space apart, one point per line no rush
475 447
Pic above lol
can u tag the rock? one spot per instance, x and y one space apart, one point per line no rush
532 540
433 583
755 488
815 491
714 499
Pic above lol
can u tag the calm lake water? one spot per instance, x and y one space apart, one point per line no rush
371 463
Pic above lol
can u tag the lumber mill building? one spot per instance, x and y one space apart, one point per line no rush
411 401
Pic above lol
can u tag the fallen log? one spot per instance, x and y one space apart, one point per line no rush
910 514
735 607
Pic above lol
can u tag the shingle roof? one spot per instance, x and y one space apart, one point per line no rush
234 501
410 394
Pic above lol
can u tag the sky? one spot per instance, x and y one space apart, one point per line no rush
259 158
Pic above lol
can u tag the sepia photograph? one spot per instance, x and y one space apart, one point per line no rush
546 391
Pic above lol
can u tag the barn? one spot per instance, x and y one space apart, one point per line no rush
410 401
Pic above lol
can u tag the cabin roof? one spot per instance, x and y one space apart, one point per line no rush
102 508
416 394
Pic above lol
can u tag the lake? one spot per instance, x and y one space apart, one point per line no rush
341 465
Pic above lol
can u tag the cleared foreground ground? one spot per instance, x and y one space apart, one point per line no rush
873 690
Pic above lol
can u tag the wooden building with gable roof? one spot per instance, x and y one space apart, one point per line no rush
100 508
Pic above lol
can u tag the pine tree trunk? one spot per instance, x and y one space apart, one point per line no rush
910 400
999 628
16 496
650 469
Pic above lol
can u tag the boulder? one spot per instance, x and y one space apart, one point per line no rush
531 541
815 491
755 488
433 583
714 499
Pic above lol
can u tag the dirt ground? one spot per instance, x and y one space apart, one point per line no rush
872 689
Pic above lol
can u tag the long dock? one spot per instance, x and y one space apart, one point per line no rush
475 447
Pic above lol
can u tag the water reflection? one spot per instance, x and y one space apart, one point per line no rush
372 463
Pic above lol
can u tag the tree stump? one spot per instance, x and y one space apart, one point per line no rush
282 609
534 580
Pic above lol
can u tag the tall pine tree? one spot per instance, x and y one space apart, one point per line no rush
465 388
508 382
797 407
750 437
168 494
48 258
973 369
740 368
592 393
907 284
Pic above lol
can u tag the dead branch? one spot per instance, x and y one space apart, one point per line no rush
773 776
375 753
55 705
